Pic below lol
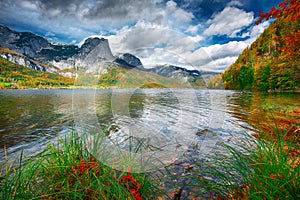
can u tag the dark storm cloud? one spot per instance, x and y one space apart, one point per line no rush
95 10
121 10
55 4
45 8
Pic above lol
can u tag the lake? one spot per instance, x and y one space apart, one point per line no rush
167 122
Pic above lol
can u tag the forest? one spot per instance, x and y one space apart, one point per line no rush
21 77
272 62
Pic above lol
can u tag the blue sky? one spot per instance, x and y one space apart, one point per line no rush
199 34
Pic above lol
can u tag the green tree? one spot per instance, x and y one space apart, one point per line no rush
245 77
263 75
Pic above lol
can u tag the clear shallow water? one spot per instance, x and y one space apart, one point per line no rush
171 120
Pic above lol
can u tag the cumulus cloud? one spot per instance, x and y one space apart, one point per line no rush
178 14
219 65
229 22
193 29
215 57
50 9
235 3
29 5
258 29
153 43
156 31
86 11
229 49
174 48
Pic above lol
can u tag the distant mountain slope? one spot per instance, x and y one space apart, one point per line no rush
193 77
18 76
134 78
20 59
269 64
93 58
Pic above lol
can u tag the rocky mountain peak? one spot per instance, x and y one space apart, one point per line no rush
22 42
91 43
128 60
97 47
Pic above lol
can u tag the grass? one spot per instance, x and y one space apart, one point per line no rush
4 85
70 172
272 107
256 169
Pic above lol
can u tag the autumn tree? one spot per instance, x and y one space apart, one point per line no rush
290 10
272 62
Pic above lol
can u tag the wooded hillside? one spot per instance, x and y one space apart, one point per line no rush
272 62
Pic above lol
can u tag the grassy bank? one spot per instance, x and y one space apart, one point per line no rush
70 172
253 169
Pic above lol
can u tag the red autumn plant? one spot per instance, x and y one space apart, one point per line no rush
84 168
289 9
133 186
272 176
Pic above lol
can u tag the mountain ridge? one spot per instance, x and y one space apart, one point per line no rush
93 57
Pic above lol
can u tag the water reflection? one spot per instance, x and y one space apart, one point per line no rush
168 119
263 110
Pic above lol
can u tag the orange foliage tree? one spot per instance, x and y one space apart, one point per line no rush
289 9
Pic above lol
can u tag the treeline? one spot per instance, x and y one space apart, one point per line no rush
18 76
272 62
117 77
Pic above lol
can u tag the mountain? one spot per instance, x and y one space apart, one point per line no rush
171 71
89 56
129 61
20 59
25 43
60 55
271 63
18 76
90 60
193 77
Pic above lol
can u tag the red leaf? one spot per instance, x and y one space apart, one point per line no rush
272 176
189 167
92 159
280 176
293 153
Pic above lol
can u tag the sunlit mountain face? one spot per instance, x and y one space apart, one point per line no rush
204 34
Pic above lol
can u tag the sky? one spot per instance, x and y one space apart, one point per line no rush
196 34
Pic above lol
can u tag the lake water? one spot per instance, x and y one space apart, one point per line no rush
170 121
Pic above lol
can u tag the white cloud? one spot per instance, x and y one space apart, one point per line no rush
235 3
193 29
154 44
152 38
219 65
215 57
29 5
232 48
49 34
178 15
229 22
259 29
